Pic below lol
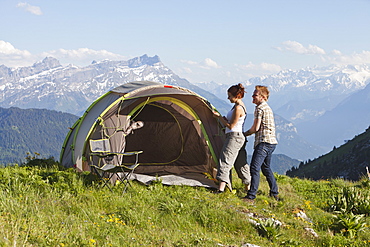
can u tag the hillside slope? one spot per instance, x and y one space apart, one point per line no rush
49 206
348 161
32 130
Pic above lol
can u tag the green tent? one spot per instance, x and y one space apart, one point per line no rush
180 138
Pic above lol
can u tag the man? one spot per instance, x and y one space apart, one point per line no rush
264 144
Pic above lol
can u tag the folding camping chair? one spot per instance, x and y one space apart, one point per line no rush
111 163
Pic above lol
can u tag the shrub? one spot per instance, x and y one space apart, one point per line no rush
349 224
350 199
268 228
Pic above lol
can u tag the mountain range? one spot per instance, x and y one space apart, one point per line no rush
349 118
326 105
48 84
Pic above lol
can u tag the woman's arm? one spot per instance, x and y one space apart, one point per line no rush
237 113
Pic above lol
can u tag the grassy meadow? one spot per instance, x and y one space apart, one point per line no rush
42 204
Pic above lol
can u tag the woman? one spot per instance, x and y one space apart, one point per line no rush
233 152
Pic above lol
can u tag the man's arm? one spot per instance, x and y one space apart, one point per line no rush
255 127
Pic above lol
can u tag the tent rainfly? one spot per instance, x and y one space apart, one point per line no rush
180 138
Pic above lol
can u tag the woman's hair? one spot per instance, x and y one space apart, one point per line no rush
263 91
237 91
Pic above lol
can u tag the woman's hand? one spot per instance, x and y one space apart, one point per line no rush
216 114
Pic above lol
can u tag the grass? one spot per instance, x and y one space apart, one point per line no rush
49 206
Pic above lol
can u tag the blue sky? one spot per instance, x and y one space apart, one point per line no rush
203 40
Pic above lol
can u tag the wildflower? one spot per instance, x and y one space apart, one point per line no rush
308 204
92 242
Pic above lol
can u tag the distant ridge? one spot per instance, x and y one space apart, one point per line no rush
348 161
32 131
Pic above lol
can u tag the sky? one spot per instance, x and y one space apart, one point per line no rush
226 41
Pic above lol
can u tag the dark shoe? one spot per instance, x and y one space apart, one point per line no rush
218 192
276 197
249 201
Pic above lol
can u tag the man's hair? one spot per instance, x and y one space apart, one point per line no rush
263 91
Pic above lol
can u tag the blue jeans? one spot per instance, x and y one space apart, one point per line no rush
261 160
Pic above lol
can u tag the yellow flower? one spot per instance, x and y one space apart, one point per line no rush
308 204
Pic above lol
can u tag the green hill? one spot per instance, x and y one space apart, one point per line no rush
348 161
32 131
49 206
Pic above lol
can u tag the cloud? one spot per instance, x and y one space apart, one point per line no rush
82 55
296 47
207 63
336 52
334 57
187 70
12 57
7 49
29 8
189 62
261 68
338 57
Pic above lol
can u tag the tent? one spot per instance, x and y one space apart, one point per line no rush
180 138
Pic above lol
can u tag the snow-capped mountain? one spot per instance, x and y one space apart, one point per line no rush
326 104
47 84
304 94
315 83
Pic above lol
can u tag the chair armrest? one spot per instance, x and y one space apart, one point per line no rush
104 154
129 153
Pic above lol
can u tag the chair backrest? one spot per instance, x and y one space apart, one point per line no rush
116 143
100 146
